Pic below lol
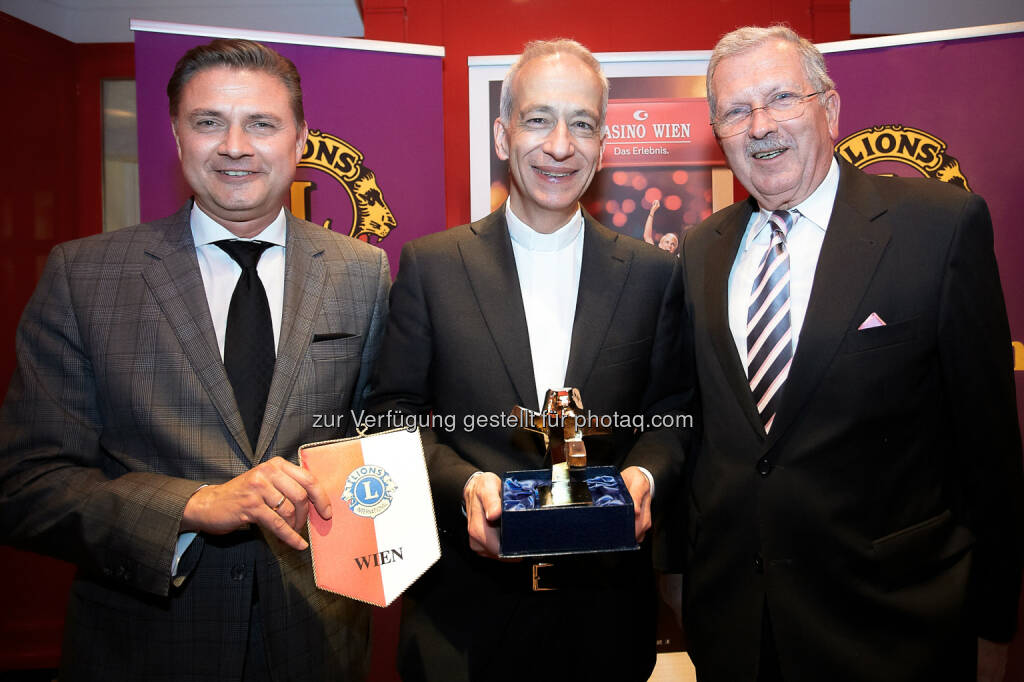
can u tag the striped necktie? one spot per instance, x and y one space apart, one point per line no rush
769 334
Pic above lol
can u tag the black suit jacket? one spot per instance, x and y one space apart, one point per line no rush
120 408
457 346
880 520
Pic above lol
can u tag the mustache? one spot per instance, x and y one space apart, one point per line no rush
765 144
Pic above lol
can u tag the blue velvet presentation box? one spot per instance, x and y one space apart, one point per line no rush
529 530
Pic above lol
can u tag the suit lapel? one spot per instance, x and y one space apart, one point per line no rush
174 279
304 278
491 269
854 243
717 267
602 276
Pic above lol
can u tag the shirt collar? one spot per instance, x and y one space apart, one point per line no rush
206 230
816 208
531 240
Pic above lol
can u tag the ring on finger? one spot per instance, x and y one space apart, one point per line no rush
277 506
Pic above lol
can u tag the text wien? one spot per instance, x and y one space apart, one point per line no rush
388 556
638 131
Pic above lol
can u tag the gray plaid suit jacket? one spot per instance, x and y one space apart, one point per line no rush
120 409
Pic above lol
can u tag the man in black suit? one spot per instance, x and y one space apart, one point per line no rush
490 315
854 508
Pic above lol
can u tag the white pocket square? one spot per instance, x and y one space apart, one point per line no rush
872 321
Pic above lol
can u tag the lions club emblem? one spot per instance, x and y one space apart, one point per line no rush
372 219
918 149
369 491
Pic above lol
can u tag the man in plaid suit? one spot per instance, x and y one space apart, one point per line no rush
124 448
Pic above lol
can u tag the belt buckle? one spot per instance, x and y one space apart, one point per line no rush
537 578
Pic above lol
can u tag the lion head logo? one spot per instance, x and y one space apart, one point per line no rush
371 215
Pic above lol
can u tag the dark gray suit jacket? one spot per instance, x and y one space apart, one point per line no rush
457 345
881 519
120 408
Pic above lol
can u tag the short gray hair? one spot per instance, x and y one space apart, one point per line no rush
750 37
544 48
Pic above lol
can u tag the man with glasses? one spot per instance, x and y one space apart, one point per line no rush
854 507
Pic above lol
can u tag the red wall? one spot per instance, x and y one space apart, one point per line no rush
51 180
50 191
37 210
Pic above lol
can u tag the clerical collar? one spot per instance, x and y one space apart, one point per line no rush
531 240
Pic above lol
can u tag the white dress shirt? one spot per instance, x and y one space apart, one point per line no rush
804 245
549 268
220 274
549 277
220 271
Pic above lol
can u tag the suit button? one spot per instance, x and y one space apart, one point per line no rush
764 467
758 564
238 573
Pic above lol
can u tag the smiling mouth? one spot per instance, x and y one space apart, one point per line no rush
554 174
771 154
236 173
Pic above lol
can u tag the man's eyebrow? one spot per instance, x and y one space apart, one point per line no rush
262 116
770 89
200 113
254 116
537 109
548 109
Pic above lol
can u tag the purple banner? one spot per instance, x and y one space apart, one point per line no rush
946 110
374 163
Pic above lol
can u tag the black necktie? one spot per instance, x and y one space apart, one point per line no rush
249 339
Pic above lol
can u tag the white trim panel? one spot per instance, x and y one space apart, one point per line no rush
288 38
923 37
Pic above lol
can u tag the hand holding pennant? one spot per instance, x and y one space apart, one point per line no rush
383 535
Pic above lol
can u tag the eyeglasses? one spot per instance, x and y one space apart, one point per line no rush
782 106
